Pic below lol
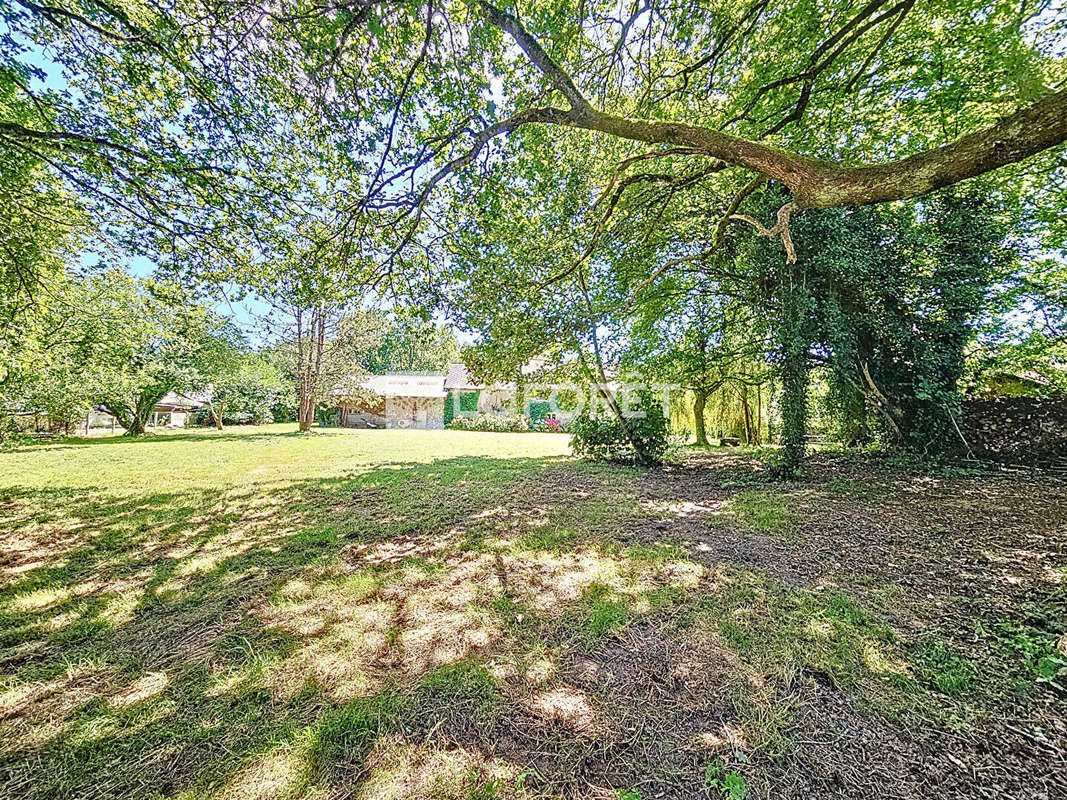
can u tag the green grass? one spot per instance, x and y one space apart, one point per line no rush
344 735
600 612
417 614
761 511
792 632
170 461
226 588
943 666
466 680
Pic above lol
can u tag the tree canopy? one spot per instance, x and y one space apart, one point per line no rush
198 119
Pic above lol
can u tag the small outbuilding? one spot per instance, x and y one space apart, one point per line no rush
397 401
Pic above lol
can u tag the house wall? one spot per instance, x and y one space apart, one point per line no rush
101 419
497 403
415 412
169 417
361 418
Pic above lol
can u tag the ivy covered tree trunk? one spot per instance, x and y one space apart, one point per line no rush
794 342
699 401
644 458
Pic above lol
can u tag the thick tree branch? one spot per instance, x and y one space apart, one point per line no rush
780 229
559 79
822 184
815 183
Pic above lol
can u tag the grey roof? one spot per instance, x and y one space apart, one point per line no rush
407 385
458 377
178 400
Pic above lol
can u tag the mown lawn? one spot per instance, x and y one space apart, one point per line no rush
419 614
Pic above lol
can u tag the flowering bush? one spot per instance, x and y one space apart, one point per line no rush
490 422
548 425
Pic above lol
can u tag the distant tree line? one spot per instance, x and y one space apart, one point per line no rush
110 340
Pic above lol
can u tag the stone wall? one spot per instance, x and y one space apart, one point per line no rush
415 412
499 402
368 413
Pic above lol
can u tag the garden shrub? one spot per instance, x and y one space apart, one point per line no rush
539 409
547 425
605 439
491 423
328 417
282 412
203 417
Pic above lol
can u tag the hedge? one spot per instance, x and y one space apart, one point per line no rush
490 422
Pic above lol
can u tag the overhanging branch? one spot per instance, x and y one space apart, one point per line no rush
815 183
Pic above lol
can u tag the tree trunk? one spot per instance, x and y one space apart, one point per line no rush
601 384
305 415
794 412
520 395
134 425
759 414
699 401
794 342
122 415
135 419
747 411
143 414
216 416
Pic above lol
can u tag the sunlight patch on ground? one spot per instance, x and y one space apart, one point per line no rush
147 686
40 599
268 776
569 706
400 770
400 610
682 508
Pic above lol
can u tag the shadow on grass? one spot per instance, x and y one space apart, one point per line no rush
416 630
187 435
180 641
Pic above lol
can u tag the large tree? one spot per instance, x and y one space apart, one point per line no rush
411 343
887 299
143 339
701 341
235 379
167 109
316 289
